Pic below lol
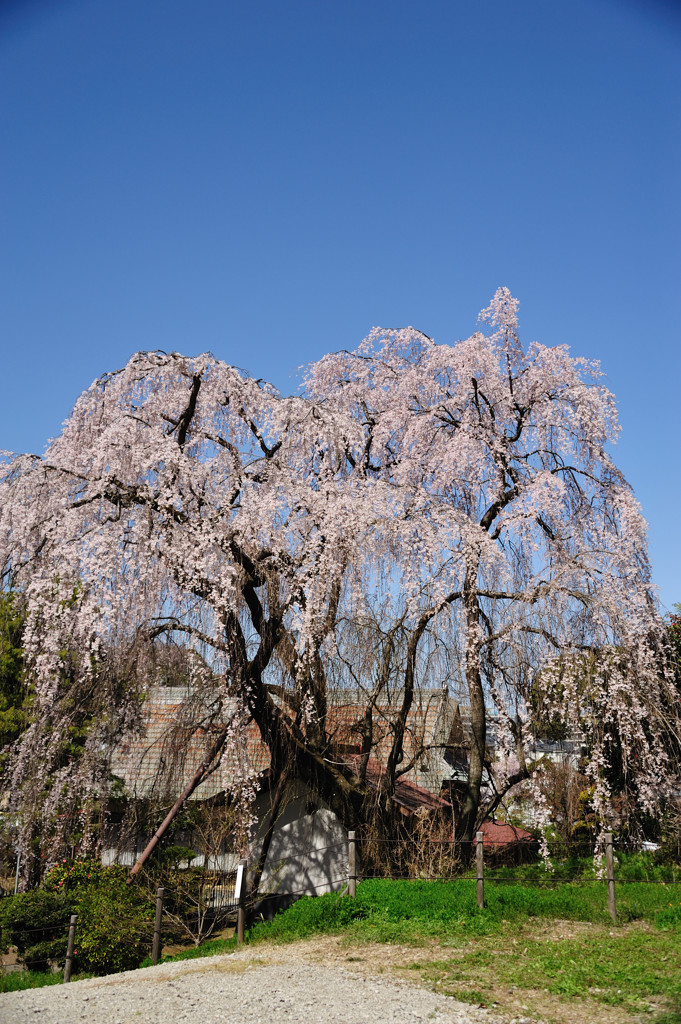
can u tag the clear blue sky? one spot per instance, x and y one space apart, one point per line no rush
269 180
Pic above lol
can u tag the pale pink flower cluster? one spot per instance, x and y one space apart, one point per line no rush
265 532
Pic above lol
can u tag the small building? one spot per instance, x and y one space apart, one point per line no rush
308 849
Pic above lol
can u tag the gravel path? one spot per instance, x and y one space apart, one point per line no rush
249 987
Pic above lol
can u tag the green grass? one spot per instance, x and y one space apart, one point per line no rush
399 911
16 981
632 970
212 947
520 942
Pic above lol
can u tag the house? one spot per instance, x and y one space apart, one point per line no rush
564 751
500 839
308 850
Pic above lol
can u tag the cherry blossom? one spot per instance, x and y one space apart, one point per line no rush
419 514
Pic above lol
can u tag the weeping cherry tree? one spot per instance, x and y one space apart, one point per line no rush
419 514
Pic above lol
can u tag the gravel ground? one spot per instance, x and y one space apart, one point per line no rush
242 988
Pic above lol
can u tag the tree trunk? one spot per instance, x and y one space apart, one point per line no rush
476 763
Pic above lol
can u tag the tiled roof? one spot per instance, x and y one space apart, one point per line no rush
499 833
407 794
174 743
178 733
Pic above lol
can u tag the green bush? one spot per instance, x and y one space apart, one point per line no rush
115 929
82 875
36 923
115 920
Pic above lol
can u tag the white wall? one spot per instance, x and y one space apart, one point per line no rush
309 851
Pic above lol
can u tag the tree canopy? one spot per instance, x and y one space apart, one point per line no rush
420 514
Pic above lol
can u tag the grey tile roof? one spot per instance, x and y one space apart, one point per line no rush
179 730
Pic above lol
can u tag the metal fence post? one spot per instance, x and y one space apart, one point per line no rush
610 875
240 893
156 945
69 948
480 868
352 863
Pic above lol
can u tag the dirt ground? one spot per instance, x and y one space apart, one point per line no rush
428 965
411 964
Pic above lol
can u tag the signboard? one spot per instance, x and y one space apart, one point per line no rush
239 882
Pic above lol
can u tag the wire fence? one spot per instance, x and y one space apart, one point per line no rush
197 903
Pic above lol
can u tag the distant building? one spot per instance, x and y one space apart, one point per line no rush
308 851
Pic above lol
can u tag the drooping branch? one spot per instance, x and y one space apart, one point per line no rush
414 496
197 778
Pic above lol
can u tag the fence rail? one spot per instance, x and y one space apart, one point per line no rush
476 862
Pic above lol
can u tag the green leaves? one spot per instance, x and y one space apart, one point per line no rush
36 922
14 695
115 920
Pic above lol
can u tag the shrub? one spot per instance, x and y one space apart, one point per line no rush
115 930
36 923
82 875
198 901
115 920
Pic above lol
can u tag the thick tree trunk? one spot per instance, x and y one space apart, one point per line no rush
476 762
356 804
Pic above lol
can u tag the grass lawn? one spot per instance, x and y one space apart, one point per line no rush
566 974
544 950
15 981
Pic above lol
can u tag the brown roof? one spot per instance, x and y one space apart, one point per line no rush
500 833
407 794
174 743
345 720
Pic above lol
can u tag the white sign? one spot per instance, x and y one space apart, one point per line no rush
239 882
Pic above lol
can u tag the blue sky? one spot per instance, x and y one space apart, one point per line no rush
270 180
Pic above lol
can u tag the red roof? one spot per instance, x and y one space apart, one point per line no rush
499 833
